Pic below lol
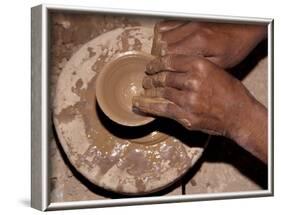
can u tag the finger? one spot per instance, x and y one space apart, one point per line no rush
168 25
154 92
196 44
179 33
173 95
157 80
172 63
147 82
180 81
158 107
159 45
217 60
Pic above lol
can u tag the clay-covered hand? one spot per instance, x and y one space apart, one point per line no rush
201 96
224 44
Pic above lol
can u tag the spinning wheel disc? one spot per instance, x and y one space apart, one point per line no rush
107 153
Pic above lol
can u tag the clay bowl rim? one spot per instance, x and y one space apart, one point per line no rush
100 98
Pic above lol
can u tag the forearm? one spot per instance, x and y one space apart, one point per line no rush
251 132
256 32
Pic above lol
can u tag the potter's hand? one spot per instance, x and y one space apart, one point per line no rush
201 96
224 44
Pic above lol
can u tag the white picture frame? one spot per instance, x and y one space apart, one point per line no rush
41 119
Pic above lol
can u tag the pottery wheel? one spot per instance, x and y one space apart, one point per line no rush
103 151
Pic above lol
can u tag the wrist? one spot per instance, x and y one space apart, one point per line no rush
250 129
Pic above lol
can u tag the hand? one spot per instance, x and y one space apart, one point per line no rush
193 91
224 44
201 96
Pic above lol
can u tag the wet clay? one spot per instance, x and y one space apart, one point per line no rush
119 81
106 153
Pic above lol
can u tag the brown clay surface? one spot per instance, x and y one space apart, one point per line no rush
69 32
118 82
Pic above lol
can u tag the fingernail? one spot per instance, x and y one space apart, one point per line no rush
149 67
135 102
154 66
162 27
157 43
147 82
